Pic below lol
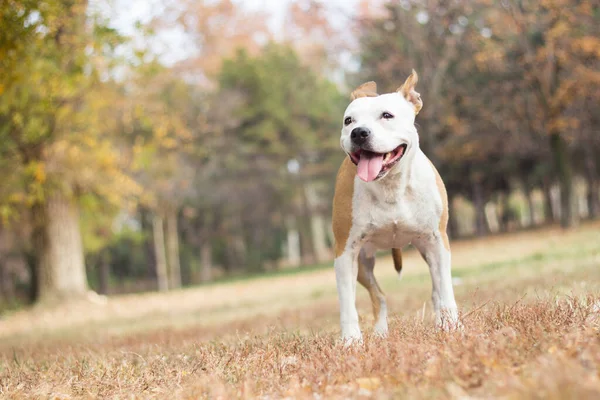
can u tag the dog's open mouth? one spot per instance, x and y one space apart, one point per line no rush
371 165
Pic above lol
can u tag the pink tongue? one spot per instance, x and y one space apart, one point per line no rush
369 165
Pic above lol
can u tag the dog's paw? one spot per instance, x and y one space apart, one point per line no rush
451 326
447 320
350 339
350 342
381 329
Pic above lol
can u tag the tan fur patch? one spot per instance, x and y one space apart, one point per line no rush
342 205
408 91
444 218
367 89
375 292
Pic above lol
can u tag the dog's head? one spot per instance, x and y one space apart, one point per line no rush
379 130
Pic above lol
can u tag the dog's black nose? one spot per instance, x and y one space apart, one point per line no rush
359 135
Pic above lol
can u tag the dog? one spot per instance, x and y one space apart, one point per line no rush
387 194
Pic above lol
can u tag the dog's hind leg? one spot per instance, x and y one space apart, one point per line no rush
366 277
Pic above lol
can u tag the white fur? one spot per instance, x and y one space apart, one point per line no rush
402 207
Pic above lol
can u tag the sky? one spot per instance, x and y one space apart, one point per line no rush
171 45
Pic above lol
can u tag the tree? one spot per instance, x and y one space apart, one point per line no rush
162 117
54 109
553 45
214 30
285 114
309 30
488 104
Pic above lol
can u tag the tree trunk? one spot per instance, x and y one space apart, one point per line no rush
236 255
293 244
104 273
146 218
452 228
329 232
307 250
5 280
203 229
303 223
31 262
502 204
7 285
562 161
312 203
319 237
530 206
593 199
159 253
593 187
479 204
60 262
548 203
173 251
491 217
206 261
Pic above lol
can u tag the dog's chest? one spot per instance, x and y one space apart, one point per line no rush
393 216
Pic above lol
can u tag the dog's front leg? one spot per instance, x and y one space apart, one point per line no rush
346 271
435 250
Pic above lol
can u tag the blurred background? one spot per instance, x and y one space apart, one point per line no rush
149 145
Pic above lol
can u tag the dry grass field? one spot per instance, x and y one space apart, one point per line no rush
530 307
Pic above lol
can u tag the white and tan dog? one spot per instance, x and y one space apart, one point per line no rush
387 195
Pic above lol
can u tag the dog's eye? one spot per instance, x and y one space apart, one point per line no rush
387 115
348 121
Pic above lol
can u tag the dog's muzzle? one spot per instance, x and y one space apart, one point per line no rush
372 165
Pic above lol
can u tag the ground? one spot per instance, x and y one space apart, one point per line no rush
530 306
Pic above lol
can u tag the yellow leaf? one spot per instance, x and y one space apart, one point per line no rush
369 383
40 173
169 143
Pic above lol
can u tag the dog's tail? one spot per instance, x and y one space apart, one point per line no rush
397 257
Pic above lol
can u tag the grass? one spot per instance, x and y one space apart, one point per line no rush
531 313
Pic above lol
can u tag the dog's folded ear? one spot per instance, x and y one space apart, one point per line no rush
408 91
368 89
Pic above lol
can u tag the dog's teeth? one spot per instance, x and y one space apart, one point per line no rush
387 156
